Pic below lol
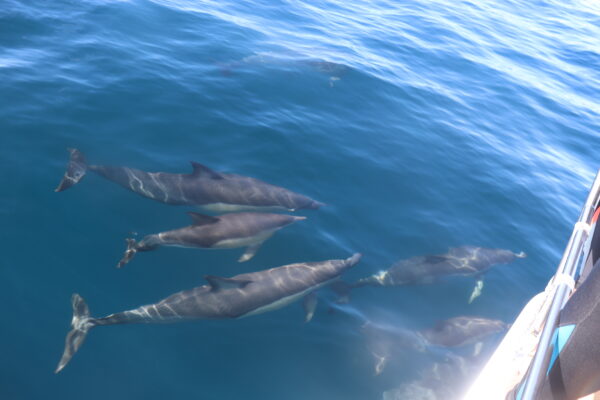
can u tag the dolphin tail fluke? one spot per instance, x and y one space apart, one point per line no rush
80 325
76 170
132 248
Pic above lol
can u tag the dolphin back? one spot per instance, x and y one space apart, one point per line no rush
233 189
270 286
265 290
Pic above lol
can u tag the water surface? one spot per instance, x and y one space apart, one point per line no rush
423 125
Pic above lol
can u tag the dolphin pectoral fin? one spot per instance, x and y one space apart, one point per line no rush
476 290
477 348
218 283
250 252
309 303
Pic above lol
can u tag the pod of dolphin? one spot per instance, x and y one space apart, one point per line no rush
243 223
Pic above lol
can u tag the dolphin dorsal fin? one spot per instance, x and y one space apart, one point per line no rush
201 219
200 170
217 283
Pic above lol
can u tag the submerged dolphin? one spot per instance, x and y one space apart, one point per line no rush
443 380
237 297
464 260
330 68
222 232
212 190
385 341
461 331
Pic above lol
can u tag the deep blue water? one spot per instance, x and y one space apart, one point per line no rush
422 124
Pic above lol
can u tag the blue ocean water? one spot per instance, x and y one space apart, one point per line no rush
422 124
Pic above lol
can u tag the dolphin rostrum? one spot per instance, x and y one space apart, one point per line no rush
237 297
464 260
212 190
225 231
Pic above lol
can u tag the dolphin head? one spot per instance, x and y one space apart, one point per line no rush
501 256
483 258
297 201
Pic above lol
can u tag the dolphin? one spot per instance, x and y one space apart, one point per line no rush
329 68
226 231
222 298
385 341
464 260
204 187
461 331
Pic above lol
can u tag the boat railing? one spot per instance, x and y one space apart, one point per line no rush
564 279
